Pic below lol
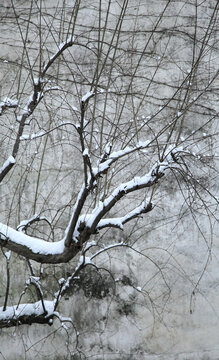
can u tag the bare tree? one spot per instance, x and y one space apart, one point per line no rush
106 109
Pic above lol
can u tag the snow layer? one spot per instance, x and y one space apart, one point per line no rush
36 245
10 160
36 309
32 136
87 96
7 102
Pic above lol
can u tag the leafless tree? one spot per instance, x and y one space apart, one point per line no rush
107 110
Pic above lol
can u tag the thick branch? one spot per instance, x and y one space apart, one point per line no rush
92 178
36 249
81 227
27 314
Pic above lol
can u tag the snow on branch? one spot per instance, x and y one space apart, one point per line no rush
24 224
8 164
135 184
7 103
30 247
65 284
157 171
107 159
80 226
32 136
80 223
87 96
62 47
34 99
27 314
145 207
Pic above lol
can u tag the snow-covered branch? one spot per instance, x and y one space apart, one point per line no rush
8 164
27 314
85 98
24 224
31 247
61 48
7 103
34 99
109 158
145 207
90 182
135 184
81 227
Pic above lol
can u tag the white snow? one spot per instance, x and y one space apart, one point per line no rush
8 102
60 47
36 245
61 281
62 318
69 40
85 152
10 160
117 222
125 187
36 281
36 80
108 148
118 154
8 255
32 136
14 312
76 233
87 96
26 110
128 186
142 144
90 244
84 260
23 223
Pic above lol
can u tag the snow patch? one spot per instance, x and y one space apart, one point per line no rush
88 95
8 102
35 309
84 260
8 255
31 136
85 152
10 160
37 246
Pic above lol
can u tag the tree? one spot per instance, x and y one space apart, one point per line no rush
107 107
